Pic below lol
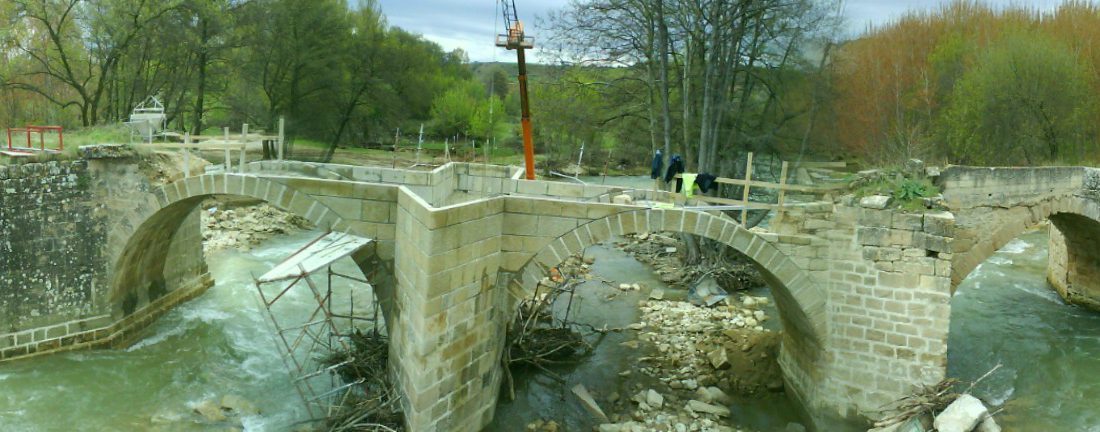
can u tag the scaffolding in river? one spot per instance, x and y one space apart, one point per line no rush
309 344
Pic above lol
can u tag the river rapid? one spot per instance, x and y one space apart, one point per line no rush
220 344
1005 312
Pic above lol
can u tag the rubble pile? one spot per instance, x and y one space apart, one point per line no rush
724 346
701 355
245 227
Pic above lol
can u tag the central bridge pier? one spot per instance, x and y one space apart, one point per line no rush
863 291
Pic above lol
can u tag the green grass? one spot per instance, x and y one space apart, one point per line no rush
107 134
908 193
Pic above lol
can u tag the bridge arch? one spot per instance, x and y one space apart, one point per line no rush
162 235
983 231
800 300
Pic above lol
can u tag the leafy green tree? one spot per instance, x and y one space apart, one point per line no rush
1023 102
454 110
487 118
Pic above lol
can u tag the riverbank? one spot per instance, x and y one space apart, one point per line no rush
678 365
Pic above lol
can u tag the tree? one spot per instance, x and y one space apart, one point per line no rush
453 110
499 83
1022 104
80 46
487 118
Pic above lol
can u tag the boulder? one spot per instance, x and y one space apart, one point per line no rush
877 202
988 425
719 358
717 395
654 399
962 415
623 199
589 402
703 407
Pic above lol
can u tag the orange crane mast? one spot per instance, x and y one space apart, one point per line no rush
515 39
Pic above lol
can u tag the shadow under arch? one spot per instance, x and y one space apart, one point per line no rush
144 279
801 302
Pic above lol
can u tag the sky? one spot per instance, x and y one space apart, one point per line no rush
471 24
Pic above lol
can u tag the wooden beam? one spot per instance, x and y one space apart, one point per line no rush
820 164
779 186
748 182
782 185
732 202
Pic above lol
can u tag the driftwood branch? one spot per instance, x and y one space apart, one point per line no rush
928 400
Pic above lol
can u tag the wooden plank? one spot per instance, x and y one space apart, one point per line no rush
244 133
782 184
252 137
282 135
748 181
727 201
787 187
193 146
820 164
228 163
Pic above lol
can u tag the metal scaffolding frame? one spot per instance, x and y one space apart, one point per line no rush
305 346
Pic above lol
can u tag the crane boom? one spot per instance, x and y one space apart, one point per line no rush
515 39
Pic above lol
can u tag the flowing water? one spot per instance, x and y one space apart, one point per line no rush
1005 312
221 344
215 345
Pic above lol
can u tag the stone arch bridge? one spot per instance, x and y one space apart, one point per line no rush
94 252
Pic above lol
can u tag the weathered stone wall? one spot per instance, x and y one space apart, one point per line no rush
448 328
1074 261
887 274
52 269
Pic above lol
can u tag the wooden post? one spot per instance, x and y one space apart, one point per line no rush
745 197
396 141
228 156
186 155
244 147
419 144
282 136
606 165
782 185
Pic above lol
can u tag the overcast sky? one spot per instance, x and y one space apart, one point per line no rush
470 24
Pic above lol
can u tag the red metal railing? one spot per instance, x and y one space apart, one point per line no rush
41 131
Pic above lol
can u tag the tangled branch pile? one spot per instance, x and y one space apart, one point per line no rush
375 406
928 401
535 338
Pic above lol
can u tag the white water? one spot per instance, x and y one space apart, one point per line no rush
215 345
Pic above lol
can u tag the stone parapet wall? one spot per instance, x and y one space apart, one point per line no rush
969 187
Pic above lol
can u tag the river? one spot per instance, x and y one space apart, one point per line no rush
1005 312
220 344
